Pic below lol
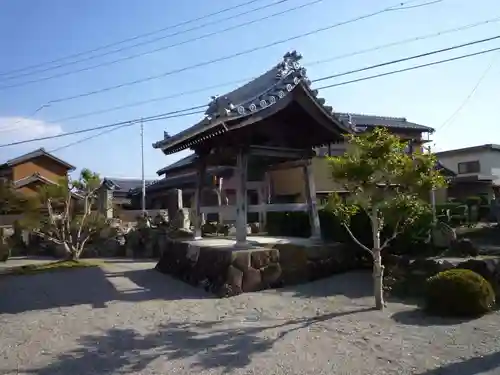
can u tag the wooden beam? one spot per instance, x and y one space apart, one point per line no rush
197 214
278 152
241 198
311 202
288 165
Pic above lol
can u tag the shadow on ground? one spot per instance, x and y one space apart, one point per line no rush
356 284
204 345
473 366
90 286
418 317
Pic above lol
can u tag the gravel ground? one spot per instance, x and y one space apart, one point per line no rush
128 319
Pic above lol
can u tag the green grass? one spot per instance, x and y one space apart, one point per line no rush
61 265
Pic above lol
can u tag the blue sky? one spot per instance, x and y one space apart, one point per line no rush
34 32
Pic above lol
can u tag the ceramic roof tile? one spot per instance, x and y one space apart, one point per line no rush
361 120
259 94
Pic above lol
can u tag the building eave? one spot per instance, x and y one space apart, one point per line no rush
35 154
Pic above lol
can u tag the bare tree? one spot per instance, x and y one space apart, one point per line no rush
66 214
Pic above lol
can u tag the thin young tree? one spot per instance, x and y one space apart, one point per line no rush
66 215
386 182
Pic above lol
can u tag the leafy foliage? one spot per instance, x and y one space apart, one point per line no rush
459 292
66 216
385 181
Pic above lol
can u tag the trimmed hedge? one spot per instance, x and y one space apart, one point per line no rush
459 292
296 224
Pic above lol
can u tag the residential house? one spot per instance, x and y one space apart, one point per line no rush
37 168
287 184
477 171
121 192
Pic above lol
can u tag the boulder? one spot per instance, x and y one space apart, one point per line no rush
488 268
252 280
270 274
464 247
429 266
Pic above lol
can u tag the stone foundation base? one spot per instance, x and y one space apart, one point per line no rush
226 271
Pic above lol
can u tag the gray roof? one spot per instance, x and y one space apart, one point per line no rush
181 180
35 154
32 178
188 160
124 184
361 120
263 94
486 147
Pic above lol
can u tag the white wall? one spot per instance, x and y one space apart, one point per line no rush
489 162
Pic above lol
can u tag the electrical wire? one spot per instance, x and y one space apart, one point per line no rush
229 83
408 69
162 116
399 6
183 23
133 56
405 41
180 113
454 115
13 128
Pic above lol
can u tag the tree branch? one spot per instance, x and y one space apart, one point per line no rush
47 237
356 240
394 235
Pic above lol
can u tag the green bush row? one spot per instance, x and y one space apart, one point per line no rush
296 224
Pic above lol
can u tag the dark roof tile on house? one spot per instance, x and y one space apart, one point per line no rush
265 94
361 120
32 178
35 154
124 185
486 147
184 162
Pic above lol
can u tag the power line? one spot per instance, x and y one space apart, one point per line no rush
407 58
167 115
408 69
133 38
318 62
399 6
469 96
405 41
180 113
133 56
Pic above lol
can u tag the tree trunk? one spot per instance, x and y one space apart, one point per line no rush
378 277
378 268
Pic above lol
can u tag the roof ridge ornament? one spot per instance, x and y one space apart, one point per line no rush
289 64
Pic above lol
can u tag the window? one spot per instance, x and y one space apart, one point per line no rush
469 167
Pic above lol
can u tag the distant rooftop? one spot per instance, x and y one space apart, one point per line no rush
124 184
486 147
361 120
35 154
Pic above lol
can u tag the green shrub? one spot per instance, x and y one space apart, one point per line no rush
296 224
459 292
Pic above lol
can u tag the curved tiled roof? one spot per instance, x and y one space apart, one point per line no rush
262 93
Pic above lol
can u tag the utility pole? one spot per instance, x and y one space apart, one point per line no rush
433 196
143 201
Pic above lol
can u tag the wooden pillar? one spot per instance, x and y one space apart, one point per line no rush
241 198
311 202
197 215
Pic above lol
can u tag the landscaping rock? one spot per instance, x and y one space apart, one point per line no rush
234 280
488 268
429 267
241 260
464 247
270 274
252 280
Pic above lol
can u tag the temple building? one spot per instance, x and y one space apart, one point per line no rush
275 121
